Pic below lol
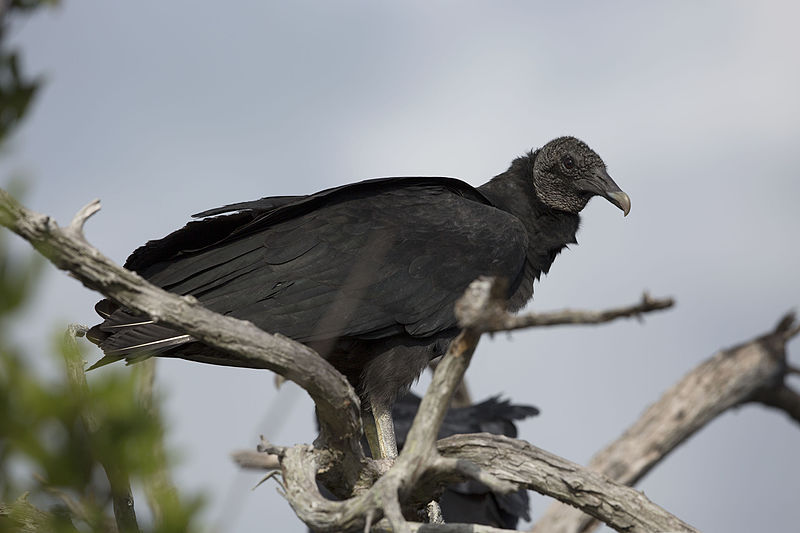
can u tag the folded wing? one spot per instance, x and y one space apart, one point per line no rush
366 261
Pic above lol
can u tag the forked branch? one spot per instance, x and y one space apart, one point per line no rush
419 469
337 403
482 457
751 372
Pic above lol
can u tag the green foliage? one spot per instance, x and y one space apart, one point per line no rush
16 93
30 5
16 90
68 447
70 450
16 280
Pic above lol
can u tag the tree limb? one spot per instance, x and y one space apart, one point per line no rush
500 320
255 460
781 397
508 322
118 481
418 466
418 470
753 371
621 507
337 404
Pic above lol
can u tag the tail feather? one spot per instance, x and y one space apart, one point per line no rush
129 336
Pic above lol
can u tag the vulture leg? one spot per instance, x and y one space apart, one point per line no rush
379 429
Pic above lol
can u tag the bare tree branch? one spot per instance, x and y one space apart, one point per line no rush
337 403
255 460
621 507
121 494
509 322
781 397
416 463
461 396
753 371
625 509
500 320
79 220
418 471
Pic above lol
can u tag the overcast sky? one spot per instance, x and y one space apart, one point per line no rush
163 109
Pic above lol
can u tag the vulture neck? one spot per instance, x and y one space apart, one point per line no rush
549 230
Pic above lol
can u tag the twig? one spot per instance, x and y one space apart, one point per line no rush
503 321
76 226
267 478
752 371
781 397
791 333
121 494
368 521
159 489
256 460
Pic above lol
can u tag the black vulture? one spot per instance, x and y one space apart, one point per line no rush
366 274
471 502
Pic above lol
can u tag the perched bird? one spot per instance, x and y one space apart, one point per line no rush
366 274
471 502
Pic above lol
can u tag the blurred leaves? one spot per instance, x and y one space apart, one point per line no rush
71 449
67 446
28 5
16 279
16 93
16 90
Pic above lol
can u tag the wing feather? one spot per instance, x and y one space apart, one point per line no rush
360 263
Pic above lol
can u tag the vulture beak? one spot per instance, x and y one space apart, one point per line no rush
601 184
621 200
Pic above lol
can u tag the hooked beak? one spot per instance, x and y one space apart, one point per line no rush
621 200
601 184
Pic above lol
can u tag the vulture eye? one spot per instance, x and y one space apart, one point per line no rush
568 162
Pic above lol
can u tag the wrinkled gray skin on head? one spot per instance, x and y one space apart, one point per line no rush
545 190
567 173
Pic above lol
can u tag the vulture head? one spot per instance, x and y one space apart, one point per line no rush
567 174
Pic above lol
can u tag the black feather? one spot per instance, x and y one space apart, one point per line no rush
472 502
368 273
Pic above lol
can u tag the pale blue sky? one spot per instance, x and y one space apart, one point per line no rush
163 109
